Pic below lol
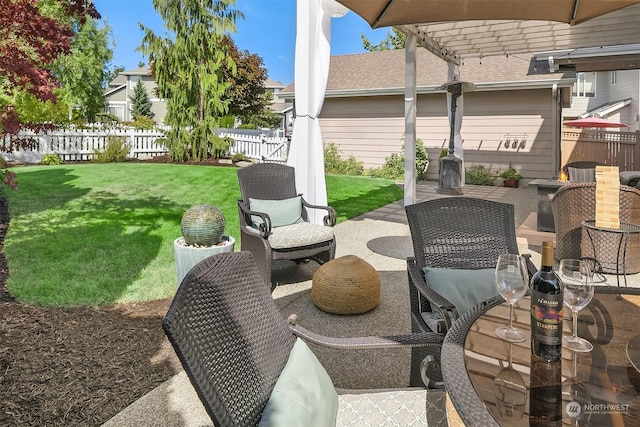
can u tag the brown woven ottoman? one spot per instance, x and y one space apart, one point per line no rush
346 285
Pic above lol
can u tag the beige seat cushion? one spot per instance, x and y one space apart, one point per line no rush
300 234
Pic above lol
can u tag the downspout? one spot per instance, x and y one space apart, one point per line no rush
556 117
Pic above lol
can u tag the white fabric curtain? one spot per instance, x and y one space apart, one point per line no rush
312 55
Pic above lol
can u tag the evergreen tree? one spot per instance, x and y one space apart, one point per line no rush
141 104
395 39
189 68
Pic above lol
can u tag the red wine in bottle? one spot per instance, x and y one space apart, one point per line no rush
546 309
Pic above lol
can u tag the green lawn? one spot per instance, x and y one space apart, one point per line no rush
97 234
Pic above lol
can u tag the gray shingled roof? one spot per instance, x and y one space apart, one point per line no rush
386 69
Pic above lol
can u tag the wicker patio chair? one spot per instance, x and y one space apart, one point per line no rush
575 203
264 235
235 346
464 236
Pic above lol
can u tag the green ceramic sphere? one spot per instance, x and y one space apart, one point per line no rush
202 225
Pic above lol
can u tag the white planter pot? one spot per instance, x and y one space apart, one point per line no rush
188 256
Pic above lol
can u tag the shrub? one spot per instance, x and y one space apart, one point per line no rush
393 167
336 165
51 159
479 175
510 173
143 122
238 157
115 151
220 146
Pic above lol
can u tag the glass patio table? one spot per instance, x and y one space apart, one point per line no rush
606 379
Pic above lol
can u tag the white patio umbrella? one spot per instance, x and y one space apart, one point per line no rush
312 55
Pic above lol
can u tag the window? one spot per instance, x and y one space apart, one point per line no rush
117 111
614 77
585 85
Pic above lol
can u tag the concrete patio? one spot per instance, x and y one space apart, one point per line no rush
381 238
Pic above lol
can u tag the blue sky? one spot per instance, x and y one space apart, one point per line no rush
268 30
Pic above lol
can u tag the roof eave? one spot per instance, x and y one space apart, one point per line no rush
480 87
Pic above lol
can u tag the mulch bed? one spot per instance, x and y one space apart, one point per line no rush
79 366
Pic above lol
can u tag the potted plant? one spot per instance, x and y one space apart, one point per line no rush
202 229
510 176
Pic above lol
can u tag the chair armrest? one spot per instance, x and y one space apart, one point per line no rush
265 227
425 339
438 302
329 219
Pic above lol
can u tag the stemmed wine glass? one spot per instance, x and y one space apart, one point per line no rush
512 282
577 280
576 397
511 391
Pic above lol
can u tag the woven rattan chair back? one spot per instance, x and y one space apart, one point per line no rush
259 182
231 339
575 203
461 232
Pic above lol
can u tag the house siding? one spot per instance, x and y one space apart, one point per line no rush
628 86
371 128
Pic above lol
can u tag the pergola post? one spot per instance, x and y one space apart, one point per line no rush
410 121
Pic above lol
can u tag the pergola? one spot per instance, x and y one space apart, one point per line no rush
458 29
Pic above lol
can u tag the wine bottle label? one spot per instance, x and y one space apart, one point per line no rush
546 316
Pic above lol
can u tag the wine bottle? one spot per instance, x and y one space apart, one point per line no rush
546 309
545 393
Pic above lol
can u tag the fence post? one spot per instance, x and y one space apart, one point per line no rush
132 142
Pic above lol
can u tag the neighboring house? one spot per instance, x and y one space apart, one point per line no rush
120 90
281 106
607 83
514 115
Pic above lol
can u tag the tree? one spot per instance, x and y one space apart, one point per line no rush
395 39
32 35
111 74
247 93
83 71
141 103
190 69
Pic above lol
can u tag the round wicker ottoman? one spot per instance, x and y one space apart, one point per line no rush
346 285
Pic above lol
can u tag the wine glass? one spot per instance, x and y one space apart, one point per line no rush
512 280
576 397
577 281
511 392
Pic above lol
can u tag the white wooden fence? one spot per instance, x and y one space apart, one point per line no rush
81 144
259 147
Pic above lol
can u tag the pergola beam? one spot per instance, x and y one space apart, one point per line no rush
430 44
